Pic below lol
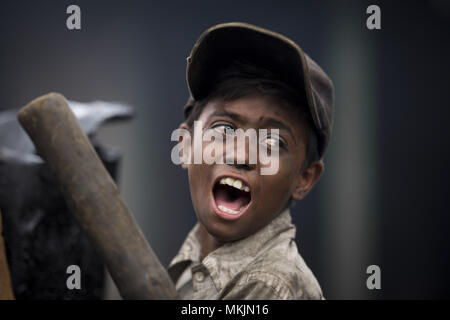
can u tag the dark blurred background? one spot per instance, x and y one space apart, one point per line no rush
383 197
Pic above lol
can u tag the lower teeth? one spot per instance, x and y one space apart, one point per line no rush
228 210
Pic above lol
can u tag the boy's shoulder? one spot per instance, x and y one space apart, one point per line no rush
265 265
277 272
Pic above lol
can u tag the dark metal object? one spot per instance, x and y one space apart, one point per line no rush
94 199
42 237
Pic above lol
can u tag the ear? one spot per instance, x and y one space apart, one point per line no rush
180 139
306 180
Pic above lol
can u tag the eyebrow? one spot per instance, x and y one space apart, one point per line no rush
232 115
274 123
265 121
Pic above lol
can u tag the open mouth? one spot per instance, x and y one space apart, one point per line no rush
231 196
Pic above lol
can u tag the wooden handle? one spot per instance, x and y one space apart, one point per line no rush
94 199
6 292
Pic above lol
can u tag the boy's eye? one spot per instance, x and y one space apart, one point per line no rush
224 129
273 142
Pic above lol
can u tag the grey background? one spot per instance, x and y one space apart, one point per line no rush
383 197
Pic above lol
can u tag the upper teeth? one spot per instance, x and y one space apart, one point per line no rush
236 183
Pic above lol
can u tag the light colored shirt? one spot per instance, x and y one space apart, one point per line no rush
264 265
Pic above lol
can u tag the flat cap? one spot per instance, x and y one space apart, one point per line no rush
221 44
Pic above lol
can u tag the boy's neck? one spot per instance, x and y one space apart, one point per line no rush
207 242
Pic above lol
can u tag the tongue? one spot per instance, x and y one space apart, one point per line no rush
223 197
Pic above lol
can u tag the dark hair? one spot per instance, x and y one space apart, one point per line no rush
242 79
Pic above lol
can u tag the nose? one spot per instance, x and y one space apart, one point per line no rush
243 156
243 167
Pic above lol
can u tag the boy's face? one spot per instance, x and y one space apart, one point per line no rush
267 195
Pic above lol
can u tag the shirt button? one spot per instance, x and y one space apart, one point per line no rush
199 276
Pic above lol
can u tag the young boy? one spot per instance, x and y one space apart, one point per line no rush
244 77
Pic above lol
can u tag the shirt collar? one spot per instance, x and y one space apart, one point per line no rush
231 257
